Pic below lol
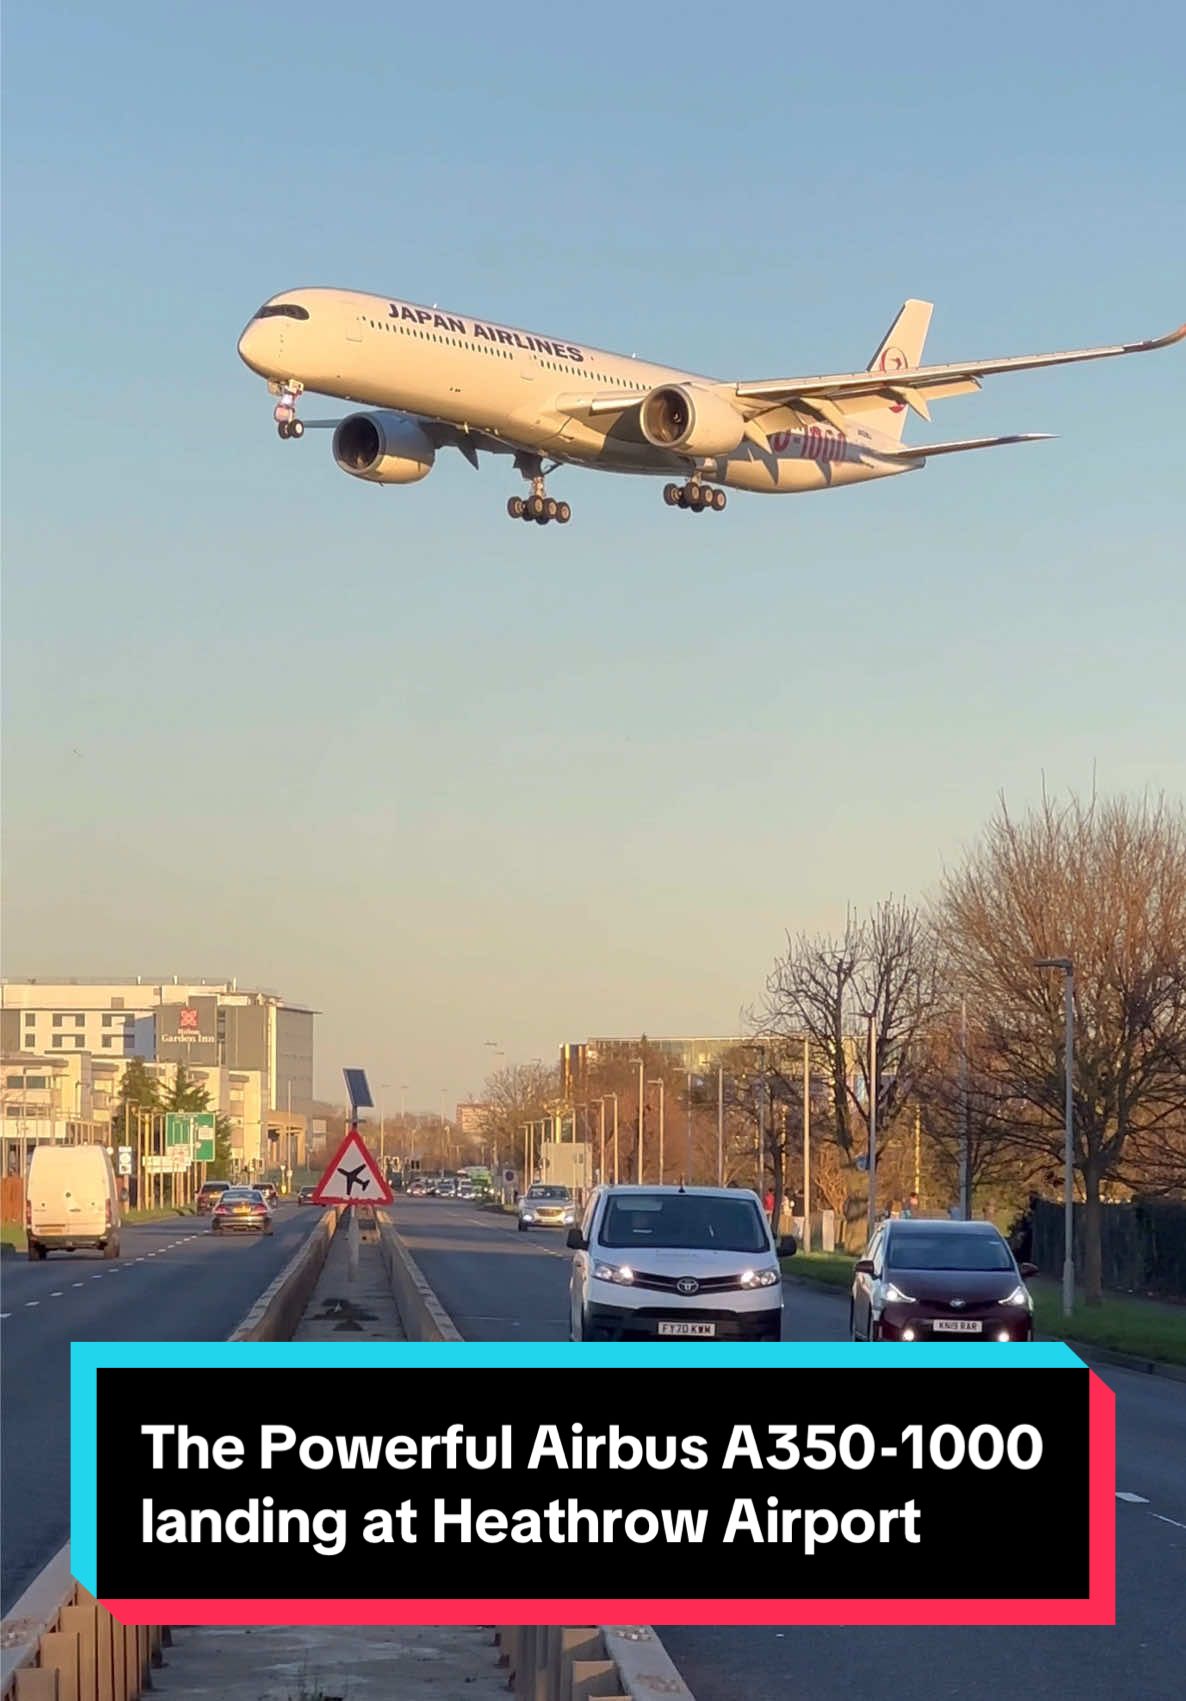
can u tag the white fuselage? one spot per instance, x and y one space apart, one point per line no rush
529 391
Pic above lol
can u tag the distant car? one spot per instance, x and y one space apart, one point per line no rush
269 1190
307 1196
545 1205
417 1190
938 1281
241 1209
446 1189
466 1190
209 1193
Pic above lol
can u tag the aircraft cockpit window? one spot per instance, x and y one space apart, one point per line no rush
283 310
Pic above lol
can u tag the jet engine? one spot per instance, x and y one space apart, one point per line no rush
384 448
690 420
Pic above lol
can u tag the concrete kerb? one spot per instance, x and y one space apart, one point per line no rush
40 1630
617 1662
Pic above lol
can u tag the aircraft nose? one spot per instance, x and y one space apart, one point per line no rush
252 351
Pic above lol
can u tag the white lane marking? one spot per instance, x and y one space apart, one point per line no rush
30 1302
1137 1499
75 1284
1165 1520
140 1260
57 1294
4 1315
99 1277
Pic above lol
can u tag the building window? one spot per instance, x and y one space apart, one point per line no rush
79 1021
107 1021
107 1042
79 1041
58 1020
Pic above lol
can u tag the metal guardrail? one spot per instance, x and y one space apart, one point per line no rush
58 1643
617 1662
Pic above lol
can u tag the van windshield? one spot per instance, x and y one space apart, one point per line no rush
684 1220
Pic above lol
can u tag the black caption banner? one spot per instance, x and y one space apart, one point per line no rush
387 1493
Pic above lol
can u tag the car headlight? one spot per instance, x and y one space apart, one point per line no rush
895 1295
760 1278
528 1216
568 1218
1019 1296
620 1273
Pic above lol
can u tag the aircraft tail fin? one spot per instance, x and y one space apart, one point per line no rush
901 348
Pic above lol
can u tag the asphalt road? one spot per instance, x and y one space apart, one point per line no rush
174 1282
498 1284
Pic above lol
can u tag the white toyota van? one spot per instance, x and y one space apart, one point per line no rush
683 1263
71 1201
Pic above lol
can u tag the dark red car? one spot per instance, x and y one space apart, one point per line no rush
940 1281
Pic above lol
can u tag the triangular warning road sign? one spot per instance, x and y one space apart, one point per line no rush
352 1177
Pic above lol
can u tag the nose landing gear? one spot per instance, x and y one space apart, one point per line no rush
284 413
694 495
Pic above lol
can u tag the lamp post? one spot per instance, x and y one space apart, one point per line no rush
872 1016
642 1093
659 1084
1066 968
720 1124
806 1144
688 1154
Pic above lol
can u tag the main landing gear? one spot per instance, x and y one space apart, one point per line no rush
694 495
284 413
539 506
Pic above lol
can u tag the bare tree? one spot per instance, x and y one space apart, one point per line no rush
826 989
1105 884
520 1093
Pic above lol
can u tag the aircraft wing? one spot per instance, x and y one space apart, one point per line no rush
924 451
914 385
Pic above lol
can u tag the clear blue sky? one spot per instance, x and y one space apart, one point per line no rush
453 780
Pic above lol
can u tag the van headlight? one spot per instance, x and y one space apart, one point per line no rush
760 1278
1019 1296
620 1273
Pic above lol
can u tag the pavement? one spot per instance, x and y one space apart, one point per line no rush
354 1309
498 1284
175 1281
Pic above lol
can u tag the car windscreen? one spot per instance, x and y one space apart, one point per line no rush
549 1193
918 1250
684 1220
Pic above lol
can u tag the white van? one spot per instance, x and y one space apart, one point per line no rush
71 1201
683 1263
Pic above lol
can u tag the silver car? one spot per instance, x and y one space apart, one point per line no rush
544 1205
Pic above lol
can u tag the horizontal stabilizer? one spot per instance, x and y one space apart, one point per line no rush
926 450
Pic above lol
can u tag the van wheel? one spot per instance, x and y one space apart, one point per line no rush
111 1250
36 1253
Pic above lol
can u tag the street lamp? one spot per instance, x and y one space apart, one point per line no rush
871 1016
604 1098
642 1093
1066 968
659 1084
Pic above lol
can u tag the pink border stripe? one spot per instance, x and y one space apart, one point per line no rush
1099 1607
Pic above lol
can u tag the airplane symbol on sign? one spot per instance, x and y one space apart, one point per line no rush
350 1176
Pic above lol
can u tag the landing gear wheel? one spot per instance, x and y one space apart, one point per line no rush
563 513
284 429
540 519
671 495
696 499
551 508
515 507
539 508
296 428
718 500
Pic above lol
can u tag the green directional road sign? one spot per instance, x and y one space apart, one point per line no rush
203 1121
178 1128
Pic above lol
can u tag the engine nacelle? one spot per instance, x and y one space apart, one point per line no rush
690 420
384 448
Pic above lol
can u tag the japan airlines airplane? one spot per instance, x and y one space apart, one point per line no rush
430 380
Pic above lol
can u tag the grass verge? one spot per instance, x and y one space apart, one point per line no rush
1145 1328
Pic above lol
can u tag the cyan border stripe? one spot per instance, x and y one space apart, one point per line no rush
88 1357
